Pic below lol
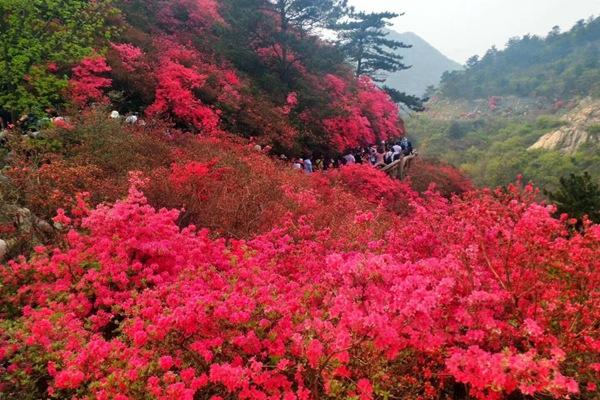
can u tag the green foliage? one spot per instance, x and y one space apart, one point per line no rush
365 43
548 122
594 129
306 15
414 103
296 20
578 196
560 65
493 152
39 41
248 29
459 129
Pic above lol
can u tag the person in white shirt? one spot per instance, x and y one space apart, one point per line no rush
397 151
131 119
308 167
350 160
380 157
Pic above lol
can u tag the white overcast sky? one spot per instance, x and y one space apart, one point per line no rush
462 28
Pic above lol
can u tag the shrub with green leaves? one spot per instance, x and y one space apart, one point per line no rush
40 40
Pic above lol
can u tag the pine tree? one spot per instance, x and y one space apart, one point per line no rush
297 18
578 195
414 103
307 15
364 40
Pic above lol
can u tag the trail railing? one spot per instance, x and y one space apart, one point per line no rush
399 168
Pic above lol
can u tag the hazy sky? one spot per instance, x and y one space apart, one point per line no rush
462 28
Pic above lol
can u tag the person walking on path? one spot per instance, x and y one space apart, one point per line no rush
308 166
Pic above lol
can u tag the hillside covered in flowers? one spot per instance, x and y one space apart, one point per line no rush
249 67
175 260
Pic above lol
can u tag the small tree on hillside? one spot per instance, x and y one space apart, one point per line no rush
364 40
578 195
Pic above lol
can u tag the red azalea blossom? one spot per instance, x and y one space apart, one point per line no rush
257 318
88 82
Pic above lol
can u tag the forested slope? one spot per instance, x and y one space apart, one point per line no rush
249 67
530 109
560 65
494 148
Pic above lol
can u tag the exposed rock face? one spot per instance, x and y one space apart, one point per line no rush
576 131
3 249
28 228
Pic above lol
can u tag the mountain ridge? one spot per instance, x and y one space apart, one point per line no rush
428 64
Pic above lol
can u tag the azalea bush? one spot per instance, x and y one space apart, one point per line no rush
221 187
88 82
364 113
246 193
448 179
484 296
375 186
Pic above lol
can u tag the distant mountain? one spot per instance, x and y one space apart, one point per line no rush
428 65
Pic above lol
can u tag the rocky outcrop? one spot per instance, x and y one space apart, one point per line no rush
577 129
3 249
29 229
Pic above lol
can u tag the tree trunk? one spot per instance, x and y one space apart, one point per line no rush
283 68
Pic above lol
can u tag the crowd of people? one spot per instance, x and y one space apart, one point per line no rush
31 125
379 156
130 118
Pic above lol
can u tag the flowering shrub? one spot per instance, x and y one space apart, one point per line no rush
366 114
193 16
291 102
174 92
375 186
88 81
130 56
448 180
488 291
55 184
219 273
